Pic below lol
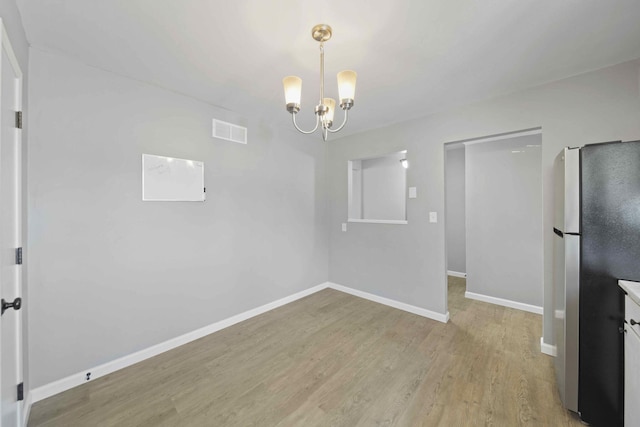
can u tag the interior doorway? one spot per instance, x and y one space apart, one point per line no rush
455 227
493 220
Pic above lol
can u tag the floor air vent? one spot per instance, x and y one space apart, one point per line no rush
229 131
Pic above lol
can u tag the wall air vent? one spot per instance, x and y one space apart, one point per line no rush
229 131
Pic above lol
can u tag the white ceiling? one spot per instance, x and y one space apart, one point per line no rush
412 57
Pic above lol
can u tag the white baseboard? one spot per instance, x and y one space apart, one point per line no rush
548 349
79 378
504 302
63 384
456 274
444 318
26 409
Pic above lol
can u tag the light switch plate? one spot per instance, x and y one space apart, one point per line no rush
433 216
413 192
344 226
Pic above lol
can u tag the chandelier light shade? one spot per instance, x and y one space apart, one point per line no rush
331 105
292 90
325 110
347 86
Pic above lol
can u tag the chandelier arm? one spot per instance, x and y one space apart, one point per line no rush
293 115
344 122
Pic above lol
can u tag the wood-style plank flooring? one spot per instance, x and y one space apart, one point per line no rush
332 359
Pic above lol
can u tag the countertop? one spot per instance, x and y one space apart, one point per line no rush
632 289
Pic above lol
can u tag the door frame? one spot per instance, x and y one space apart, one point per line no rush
477 140
13 62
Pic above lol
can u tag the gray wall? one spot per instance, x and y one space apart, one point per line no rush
504 219
355 190
12 22
111 274
407 262
384 189
455 210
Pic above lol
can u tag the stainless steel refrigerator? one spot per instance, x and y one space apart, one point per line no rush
596 242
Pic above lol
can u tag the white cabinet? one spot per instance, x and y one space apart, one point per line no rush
632 363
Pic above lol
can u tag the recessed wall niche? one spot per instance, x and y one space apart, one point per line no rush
377 189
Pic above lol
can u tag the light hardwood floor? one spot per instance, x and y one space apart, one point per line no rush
332 359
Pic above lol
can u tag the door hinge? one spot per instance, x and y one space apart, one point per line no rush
19 119
19 256
20 392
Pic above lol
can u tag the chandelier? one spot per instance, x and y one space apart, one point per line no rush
326 106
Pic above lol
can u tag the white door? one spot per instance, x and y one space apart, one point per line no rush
10 235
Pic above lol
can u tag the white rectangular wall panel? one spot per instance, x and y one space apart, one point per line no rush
170 179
